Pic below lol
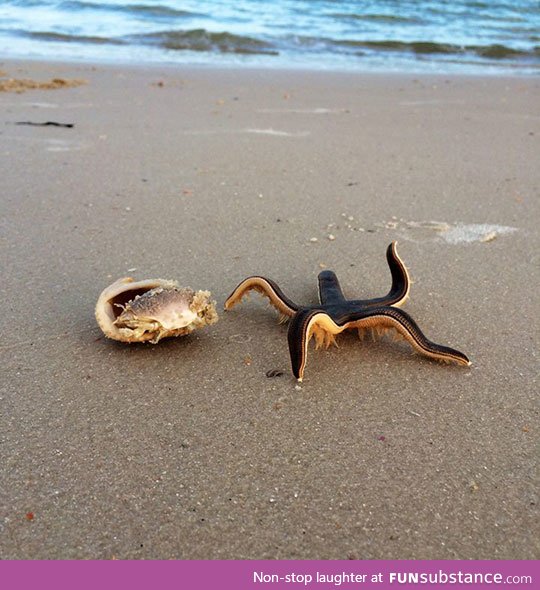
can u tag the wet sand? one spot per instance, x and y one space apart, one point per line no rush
187 449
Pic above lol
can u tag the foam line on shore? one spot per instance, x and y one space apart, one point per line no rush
314 111
250 130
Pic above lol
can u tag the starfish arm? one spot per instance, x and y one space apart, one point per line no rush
384 318
299 334
267 288
329 288
305 324
401 283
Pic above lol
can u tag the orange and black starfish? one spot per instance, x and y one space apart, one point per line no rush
335 313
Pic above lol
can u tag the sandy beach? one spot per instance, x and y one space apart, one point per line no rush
186 449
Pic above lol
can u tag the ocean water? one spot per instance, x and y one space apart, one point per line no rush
462 36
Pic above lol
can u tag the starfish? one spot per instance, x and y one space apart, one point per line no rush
335 313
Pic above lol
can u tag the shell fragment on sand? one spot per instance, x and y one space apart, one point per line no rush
152 309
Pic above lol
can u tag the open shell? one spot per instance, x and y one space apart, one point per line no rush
149 310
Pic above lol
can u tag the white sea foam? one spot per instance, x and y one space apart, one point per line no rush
315 111
455 233
61 145
465 233
271 131
256 131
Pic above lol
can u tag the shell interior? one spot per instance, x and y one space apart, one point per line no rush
148 310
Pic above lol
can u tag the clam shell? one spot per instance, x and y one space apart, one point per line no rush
152 309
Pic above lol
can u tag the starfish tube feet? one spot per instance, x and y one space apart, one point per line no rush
389 318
